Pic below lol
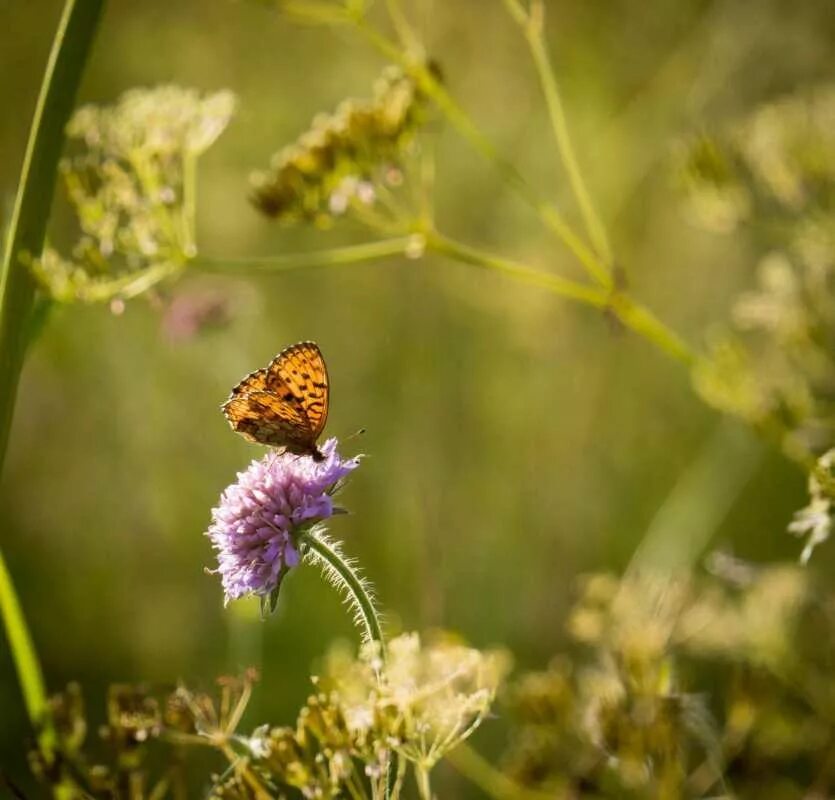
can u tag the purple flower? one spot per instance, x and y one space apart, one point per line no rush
253 527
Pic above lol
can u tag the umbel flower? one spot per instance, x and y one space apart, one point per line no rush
422 700
255 527
336 164
815 520
130 178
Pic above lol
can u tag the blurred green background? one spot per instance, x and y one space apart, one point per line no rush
514 440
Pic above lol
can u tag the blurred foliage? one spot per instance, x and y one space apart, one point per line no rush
691 686
132 189
516 440
680 686
335 165
775 170
422 701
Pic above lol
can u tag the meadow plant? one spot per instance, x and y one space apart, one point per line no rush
133 187
773 173
696 685
630 712
422 701
338 164
259 527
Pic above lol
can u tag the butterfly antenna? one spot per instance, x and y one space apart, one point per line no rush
355 435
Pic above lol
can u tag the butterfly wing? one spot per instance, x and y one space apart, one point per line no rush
284 405
254 382
301 372
266 418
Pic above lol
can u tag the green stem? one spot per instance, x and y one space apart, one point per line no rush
338 256
129 285
25 657
27 230
352 583
564 287
422 779
642 321
534 29
337 566
189 204
490 780
404 30
703 494
399 777
632 315
638 319
469 131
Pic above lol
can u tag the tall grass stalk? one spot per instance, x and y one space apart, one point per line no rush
26 233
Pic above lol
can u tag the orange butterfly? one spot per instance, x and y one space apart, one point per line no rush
285 404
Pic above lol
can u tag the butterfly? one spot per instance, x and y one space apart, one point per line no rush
285 404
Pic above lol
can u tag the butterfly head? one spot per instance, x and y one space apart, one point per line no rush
300 450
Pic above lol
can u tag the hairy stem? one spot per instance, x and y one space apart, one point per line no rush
351 582
27 230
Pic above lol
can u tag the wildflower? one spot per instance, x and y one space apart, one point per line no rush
772 365
254 528
715 198
131 184
427 696
421 701
339 161
815 520
133 716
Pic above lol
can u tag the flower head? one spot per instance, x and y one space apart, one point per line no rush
815 520
423 699
253 528
130 177
336 165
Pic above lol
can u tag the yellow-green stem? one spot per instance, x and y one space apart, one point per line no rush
638 319
373 630
423 784
491 781
533 27
27 227
642 321
24 655
27 230
189 204
470 132
403 28
573 290
338 256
